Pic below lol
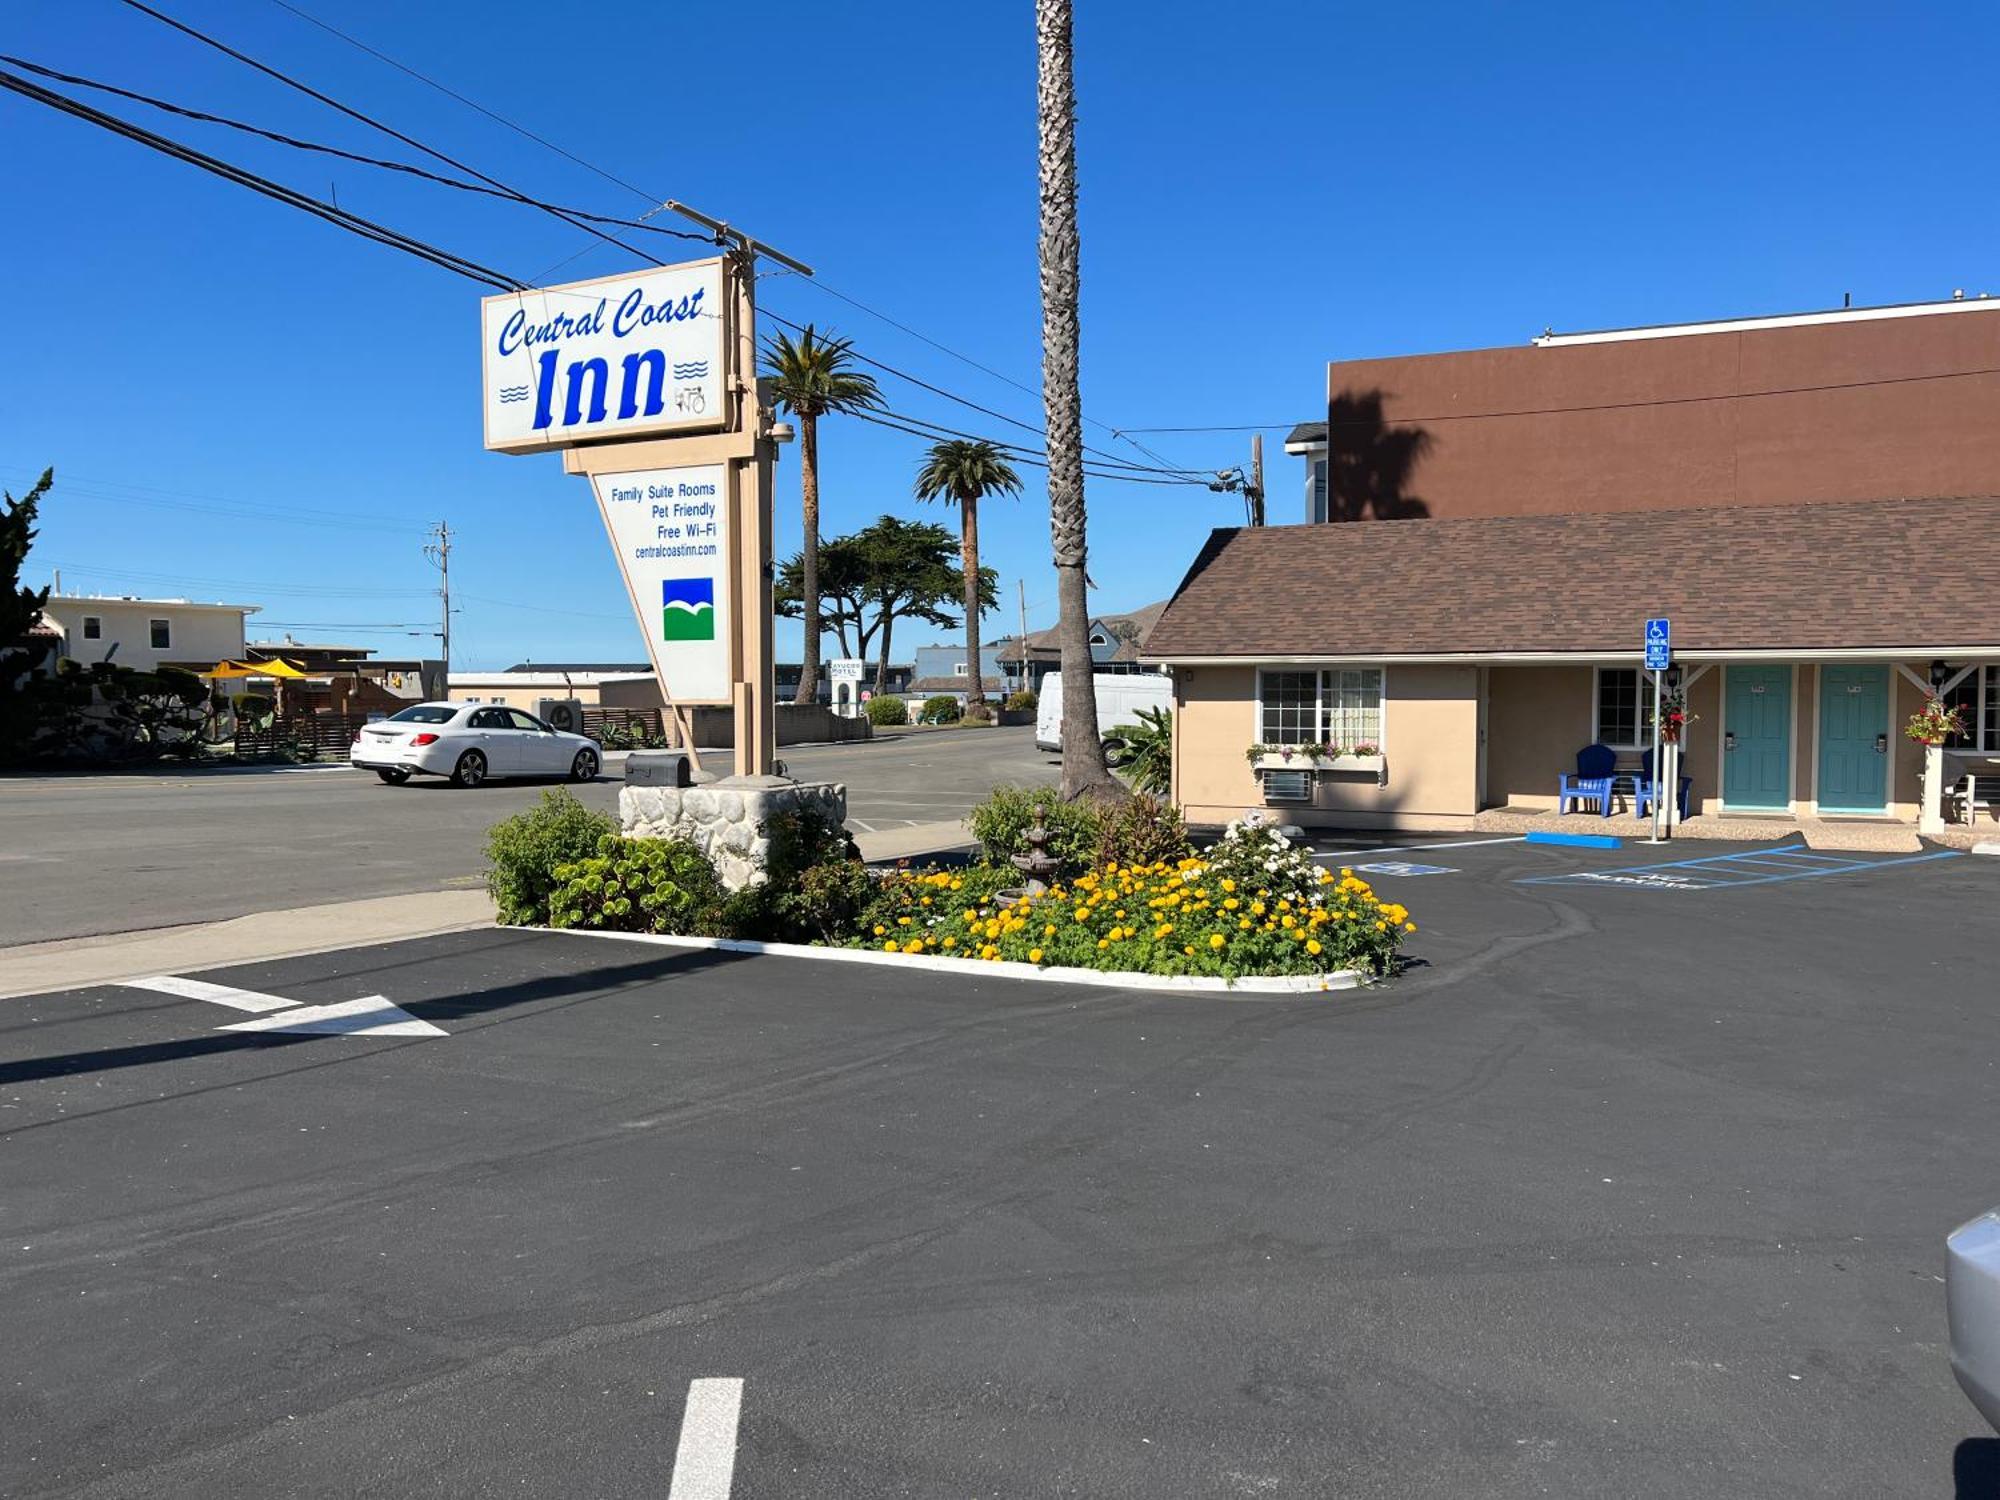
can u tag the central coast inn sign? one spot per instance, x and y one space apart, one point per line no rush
646 383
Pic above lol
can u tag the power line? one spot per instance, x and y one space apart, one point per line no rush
1125 434
1040 462
462 99
388 130
366 228
104 490
988 411
298 144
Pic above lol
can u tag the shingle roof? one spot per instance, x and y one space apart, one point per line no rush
1888 573
1043 642
1306 432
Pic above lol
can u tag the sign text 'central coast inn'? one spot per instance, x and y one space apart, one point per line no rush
615 357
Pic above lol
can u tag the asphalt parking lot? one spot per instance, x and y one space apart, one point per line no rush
83 855
1620 1190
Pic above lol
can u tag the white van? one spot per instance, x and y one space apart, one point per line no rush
1120 696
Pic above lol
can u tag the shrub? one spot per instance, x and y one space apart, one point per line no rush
636 885
1144 751
524 851
1022 702
1001 822
886 711
943 709
816 888
1183 917
1141 831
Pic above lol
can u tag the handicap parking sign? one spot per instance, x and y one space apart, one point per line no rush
1659 644
1400 867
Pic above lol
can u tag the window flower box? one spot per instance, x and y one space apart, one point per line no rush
1306 761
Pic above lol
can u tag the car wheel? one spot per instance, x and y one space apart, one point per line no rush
470 770
393 777
584 767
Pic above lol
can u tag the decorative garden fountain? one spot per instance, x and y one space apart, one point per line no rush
1037 864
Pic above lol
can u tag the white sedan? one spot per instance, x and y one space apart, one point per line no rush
468 742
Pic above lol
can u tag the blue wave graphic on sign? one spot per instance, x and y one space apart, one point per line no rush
513 393
694 369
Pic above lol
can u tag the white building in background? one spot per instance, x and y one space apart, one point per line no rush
146 633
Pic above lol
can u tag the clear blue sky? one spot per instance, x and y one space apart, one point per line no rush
1264 187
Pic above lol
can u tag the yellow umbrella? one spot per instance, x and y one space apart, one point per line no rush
274 668
229 669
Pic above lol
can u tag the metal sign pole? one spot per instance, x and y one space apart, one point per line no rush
1659 768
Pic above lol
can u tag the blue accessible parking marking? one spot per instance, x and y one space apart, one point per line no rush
1399 867
1753 867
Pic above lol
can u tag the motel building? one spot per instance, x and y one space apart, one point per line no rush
1813 501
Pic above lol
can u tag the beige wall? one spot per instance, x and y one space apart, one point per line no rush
197 636
1538 717
522 697
1429 739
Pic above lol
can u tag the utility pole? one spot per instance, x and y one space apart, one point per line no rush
438 550
1254 491
1022 585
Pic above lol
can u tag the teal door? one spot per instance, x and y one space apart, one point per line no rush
1853 722
1757 739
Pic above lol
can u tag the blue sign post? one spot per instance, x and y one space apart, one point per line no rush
1665 769
1659 645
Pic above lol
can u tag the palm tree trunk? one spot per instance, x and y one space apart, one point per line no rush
968 557
809 557
1084 772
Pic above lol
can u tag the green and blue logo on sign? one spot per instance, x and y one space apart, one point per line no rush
687 609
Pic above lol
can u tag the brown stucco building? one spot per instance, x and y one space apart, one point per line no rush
1851 404
1810 498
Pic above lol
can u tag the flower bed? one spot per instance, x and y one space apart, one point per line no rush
1252 906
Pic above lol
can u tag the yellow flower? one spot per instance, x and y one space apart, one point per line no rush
1165 928
958 885
1083 914
1409 927
1345 871
1243 924
914 945
1034 955
1312 945
1381 926
923 901
1288 921
951 942
1049 930
1102 944
902 921
1228 885
1216 940
880 929
989 951
1257 908
890 947
1189 951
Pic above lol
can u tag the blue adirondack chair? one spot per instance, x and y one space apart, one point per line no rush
1642 796
1592 781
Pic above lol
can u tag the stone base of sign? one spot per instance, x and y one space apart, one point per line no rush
727 819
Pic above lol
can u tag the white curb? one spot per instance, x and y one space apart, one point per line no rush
1252 984
1986 846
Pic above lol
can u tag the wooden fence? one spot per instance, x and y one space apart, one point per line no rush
307 736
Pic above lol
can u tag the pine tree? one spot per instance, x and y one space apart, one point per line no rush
20 608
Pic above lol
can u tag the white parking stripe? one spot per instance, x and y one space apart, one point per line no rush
218 994
705 1465
1512 838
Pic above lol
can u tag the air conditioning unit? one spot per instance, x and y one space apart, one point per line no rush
1287 786
565 714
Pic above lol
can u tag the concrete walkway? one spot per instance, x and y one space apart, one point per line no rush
71 963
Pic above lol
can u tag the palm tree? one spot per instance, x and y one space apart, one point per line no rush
1084 772
809 379
966 471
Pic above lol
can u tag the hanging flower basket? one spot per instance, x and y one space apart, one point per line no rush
1934 723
